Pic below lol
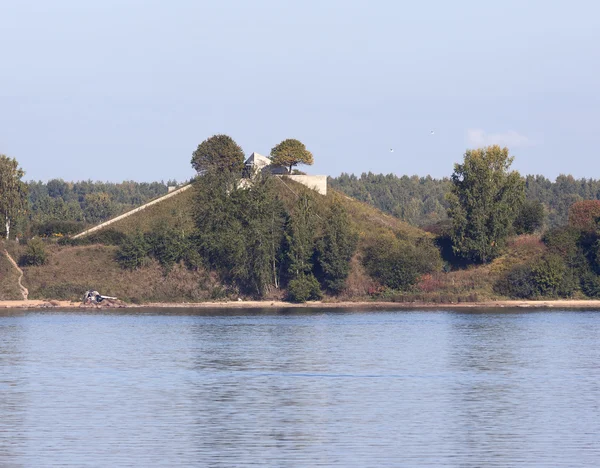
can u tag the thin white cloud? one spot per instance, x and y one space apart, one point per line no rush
478 138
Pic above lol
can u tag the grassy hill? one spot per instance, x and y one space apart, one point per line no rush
71 270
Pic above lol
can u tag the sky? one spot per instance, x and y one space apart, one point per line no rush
126 89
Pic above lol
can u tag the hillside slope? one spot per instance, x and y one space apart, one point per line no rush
73 269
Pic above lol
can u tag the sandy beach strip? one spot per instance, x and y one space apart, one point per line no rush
369 305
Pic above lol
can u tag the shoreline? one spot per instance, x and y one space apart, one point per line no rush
369 305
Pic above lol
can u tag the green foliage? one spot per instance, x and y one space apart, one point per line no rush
551 277
239 230
300 237
35 255
397 263
304 288
168 246
87 200
420 201
218 153
547 277
13 192
57 227
106 236
590 284
133 252
97 207
517 283
290 153
336 248
563 241
484 201
585 215
530 218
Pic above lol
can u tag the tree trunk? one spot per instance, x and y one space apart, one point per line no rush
7 227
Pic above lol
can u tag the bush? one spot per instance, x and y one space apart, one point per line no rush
552 277
304 288
517 283
167 246
547 277
397 263
105 236
57 227
133 252
563 241
590 284
35 255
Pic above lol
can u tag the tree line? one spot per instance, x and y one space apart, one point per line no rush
421 201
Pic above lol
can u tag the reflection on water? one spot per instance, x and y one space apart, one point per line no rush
324 388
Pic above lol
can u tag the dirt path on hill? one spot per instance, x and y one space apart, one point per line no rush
24 290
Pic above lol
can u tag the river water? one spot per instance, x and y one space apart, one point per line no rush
300 388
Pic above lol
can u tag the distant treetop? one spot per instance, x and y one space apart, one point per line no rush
290 153
219 153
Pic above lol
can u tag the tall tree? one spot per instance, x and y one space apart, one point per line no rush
336 248
290 153
218 153
13 191
300 237
485 198
240 230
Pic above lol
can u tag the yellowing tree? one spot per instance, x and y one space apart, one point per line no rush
13 191
290 153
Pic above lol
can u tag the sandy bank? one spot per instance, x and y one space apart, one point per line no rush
562 304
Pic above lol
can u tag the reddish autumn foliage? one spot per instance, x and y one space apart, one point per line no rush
585 215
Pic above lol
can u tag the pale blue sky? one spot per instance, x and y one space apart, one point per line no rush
126 89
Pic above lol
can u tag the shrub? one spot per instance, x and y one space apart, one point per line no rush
552 277
563 241
590 284
397 263
304 288
518 283
105 236
133 252
35 255
56 227
167 246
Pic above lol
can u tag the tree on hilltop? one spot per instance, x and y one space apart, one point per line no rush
485 198
13 191
290 153
218 153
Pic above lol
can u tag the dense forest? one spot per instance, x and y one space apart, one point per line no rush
63 207
421 201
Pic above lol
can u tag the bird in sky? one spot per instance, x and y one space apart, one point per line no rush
391 150
432 132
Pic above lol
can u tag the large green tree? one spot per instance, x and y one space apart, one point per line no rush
484 200
218 153
336 248
13 191
240 230
290 153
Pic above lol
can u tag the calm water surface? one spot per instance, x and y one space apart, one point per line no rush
298 389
